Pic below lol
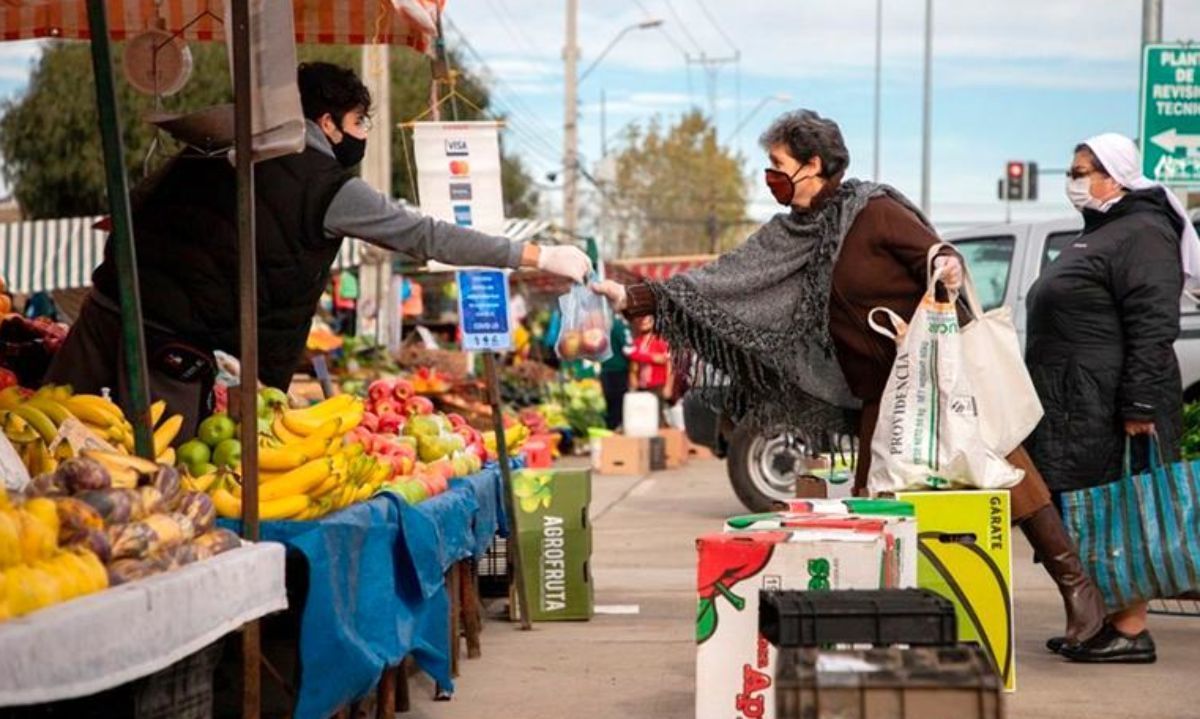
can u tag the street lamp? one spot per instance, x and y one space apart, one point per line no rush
781 97
644 25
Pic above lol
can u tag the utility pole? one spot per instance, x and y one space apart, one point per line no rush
927 110
712 66
878 81
1152 21
571 122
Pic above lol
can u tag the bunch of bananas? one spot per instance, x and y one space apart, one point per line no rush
306 469
34 571
514 437
31 421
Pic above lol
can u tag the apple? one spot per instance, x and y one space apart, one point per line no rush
386 406
402 390
390 423
569 343
379 390
418 405
595 342
456 420
370 421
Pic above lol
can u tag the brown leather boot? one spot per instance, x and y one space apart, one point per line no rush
1081 599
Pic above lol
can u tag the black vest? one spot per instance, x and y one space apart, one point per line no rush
185 230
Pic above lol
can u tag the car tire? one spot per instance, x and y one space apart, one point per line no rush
744 465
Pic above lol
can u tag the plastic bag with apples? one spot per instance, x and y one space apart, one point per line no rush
586 326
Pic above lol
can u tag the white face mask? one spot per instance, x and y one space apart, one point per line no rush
1078 192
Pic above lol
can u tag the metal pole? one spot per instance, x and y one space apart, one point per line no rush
133 340
603 123
927 109
1152 21
571 122
878 81
248 335
514 539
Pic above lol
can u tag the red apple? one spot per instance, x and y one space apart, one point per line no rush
379 390
418 405
456 420
370 421
402 390
390 423
595 342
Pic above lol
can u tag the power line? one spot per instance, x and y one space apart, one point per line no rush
682 25
720 30
508 27
517 24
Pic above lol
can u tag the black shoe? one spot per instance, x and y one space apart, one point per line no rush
1055 644
1110 646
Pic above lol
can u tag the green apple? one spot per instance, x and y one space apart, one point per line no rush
193 453
228 453
216 429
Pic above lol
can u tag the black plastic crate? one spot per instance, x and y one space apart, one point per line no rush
955 682
879 617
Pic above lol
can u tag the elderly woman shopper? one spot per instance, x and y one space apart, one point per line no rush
784 317
1102 319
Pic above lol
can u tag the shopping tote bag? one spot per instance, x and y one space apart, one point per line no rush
1140 537
1007 403
928 433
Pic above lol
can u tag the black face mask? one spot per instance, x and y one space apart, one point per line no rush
350 151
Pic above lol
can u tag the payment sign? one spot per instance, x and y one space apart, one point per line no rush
1170 132
483 310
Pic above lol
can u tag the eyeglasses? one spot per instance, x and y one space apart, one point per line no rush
1080 174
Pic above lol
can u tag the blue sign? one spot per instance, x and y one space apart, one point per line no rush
483 310
462 215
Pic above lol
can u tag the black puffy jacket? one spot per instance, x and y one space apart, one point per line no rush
1102 322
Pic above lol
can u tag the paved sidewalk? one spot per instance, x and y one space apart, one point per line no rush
643 665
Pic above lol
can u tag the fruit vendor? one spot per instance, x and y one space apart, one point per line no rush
185 230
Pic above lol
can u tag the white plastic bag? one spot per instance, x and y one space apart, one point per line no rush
928 434
586 326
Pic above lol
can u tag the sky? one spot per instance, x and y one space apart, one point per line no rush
1012 80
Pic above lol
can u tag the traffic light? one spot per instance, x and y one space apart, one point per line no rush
1031 178
1015 179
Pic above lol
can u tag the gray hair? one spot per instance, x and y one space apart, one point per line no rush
806 135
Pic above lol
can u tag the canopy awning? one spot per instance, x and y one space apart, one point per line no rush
326 22
49 255
655 268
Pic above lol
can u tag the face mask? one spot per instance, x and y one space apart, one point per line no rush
350 151
1080 195
783 185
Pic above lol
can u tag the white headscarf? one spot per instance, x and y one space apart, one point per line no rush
1123 163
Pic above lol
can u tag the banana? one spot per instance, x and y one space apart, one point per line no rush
156 412
230 507
165 434
10 539
312 448
364 493
327 485
38 420
167 457
95 410
113 460
10 397
52 408
283 433
307 427
325 410
298 481
280 458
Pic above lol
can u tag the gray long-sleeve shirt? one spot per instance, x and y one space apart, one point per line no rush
358 210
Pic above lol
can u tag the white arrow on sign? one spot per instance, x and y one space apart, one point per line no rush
1171 140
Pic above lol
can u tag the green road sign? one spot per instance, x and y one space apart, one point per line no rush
1170 127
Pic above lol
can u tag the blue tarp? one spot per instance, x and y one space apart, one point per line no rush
377 586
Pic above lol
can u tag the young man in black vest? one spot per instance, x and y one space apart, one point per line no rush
185 230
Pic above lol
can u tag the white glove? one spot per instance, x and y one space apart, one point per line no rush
951 269
613 291
569 262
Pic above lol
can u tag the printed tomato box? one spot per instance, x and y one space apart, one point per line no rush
735 667
899 518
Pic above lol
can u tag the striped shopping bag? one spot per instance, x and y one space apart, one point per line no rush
1140 537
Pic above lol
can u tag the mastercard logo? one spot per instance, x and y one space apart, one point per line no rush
460 168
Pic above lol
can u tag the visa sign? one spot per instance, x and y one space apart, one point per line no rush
457 148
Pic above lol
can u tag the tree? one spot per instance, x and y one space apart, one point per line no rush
677 191
50 141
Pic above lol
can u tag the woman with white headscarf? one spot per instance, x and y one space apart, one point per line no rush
1102 322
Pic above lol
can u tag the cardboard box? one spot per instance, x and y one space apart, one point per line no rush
555 536
676 445
898 518
734 664
966 556
624 455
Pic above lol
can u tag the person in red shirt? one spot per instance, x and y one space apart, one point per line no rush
652 355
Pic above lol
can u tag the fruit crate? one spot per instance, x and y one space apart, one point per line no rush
955 682
493 571
879 617
1186 606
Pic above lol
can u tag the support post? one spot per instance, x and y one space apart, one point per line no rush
133 339
514 544
248 334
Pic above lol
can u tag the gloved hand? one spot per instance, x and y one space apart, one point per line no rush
951 268
613 291
564 260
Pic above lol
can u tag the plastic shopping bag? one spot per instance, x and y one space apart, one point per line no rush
928 434
586 326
